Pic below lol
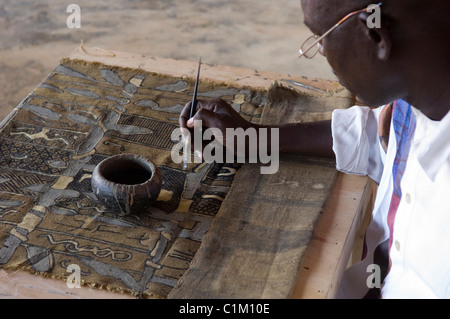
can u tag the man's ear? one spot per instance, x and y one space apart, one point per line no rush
379 35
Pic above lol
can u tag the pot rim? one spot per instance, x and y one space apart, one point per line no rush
99 169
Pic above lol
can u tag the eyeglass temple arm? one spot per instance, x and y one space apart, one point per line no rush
334 27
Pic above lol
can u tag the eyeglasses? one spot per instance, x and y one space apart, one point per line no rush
312 45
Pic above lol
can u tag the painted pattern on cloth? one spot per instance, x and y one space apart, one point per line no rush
79 115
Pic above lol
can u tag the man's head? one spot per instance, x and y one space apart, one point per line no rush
379 65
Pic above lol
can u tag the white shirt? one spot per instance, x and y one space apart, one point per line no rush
420 251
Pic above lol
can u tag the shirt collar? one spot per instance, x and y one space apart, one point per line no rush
437 151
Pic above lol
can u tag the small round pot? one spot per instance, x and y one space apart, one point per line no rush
126 183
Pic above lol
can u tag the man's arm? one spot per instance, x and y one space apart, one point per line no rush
312 138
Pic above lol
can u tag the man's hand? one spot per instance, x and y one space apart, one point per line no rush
214 113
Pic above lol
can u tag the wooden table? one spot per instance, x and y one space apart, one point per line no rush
336 232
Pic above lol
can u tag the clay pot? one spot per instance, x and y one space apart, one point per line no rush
126 183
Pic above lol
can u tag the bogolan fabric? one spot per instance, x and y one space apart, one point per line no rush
260 235
84 112
79 115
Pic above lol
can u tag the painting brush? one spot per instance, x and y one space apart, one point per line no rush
194 97
187 137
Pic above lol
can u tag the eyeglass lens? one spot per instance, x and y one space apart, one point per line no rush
309 54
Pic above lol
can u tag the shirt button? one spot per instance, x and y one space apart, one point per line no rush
408 198
397 245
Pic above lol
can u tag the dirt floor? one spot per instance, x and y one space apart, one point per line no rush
256 34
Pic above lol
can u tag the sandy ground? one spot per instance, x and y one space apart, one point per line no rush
257 34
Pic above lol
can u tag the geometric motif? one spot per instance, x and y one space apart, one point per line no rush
33 158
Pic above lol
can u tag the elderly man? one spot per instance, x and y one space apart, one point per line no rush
404 145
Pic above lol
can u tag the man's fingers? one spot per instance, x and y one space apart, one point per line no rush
208 119
184 115
208 111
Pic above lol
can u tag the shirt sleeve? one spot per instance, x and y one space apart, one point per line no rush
356 143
